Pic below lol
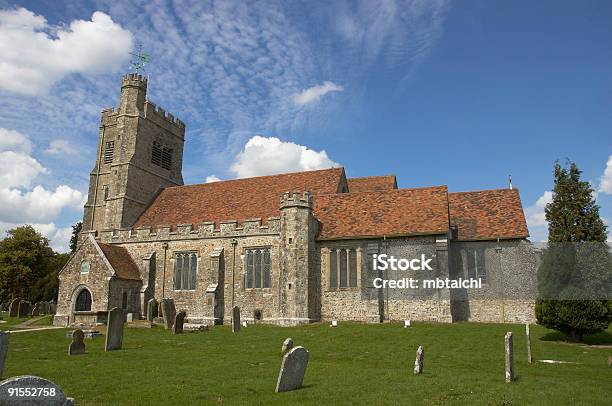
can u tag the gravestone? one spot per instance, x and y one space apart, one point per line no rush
52 308
36 309
23 310
509 357
47 393
77 346
1 311
287 345
178 322
13 308
151 309
418 362
334 323
528 334
4 339
114 331
44 308
245 324
292 370
235 319
169 312
406 323
610 360
129 317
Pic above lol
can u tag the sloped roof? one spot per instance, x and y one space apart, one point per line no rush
372 184
488 215
238 199
121 261
389 213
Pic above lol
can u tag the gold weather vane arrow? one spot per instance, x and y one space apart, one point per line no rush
141 59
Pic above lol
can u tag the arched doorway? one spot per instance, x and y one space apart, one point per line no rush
83 301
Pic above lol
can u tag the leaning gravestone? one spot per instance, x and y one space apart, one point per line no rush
13 308
77 346
178 322
32 390
509 350
169 311
4 339
235 319
151 309
287 345
418 362
292 370
23 310
114 331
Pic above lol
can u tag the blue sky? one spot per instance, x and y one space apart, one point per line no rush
436 92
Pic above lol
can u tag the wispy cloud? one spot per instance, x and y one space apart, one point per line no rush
536 217
314 93
605 182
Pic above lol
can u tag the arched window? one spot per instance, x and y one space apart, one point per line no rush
83 301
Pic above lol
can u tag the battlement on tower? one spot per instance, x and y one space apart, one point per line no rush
296 199
152 110
134 79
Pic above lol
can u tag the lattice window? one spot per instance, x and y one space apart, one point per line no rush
109 150
476 264
258 268
185 270
166 162
343 268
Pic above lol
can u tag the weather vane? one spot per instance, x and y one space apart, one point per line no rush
140 59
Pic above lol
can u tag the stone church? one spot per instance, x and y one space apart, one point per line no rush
288 249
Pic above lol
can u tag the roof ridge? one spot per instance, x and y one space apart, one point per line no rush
383 191
373 176
255 177
483 190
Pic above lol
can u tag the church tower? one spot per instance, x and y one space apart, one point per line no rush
140 151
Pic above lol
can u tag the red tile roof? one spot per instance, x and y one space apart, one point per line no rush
238 199
121 261
390 213
372 183
488 215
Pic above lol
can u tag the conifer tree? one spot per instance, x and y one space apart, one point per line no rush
575 274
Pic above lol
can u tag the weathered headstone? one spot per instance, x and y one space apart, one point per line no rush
418 362
44 308
528 334
129 317
32 390
14 308
287 345
292 370
4 339
23 310
36 309
235 319
169 312
77 346
1 311
406 323
52 308
334 323
114 331
509 350
151 309
178 322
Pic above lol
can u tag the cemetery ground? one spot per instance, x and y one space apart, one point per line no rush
349 364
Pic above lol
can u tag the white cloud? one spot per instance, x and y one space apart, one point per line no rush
18 169
14 141
31 59
38 205
212 178
314 93
270 155
536 217
59 238
605 182
60 146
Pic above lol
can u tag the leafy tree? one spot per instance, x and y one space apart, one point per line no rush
74 240
28 266
575 274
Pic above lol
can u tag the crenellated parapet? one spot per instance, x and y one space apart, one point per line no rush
296 199
233 229
164 119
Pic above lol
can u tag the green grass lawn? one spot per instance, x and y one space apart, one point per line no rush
351 364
